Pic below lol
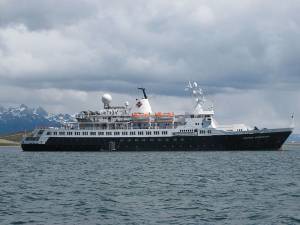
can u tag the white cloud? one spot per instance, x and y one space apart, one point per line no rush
75 50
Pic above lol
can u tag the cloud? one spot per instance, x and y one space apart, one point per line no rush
90 45
41 15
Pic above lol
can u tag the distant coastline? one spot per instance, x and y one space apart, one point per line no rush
11 139
6 143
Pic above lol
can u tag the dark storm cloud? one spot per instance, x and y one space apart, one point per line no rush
117 46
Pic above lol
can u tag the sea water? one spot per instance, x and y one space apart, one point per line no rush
149 187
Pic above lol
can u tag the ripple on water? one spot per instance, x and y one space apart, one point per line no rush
149 187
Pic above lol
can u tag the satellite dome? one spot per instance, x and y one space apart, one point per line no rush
106 99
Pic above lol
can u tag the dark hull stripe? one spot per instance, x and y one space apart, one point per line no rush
265 141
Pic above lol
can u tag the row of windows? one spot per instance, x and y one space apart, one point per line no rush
200 131
85 133
188 131
152 139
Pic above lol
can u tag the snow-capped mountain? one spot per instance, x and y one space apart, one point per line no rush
23 118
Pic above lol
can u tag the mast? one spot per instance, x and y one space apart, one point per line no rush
197 94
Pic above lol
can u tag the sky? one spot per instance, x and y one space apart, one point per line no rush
64 54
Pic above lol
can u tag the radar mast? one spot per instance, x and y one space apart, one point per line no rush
197 93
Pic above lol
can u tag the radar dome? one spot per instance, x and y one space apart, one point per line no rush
106 99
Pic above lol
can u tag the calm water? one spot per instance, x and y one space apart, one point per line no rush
149 187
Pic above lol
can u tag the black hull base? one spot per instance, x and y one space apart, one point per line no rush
237 142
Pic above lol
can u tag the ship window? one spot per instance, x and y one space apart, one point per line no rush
100 133
174 139
85 133
48 133
116 133
181 139
167 139
77 133
69 133
54 133
136 140
108 133
61 133
159 139
92 133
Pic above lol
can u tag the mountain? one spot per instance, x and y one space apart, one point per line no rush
24 118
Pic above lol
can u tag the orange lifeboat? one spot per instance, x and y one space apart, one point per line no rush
168 115
164 117
140 117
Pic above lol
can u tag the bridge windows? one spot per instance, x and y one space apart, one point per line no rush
93 133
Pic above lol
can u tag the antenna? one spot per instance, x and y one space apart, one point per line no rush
196 92
144 92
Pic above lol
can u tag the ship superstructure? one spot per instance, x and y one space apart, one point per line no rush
138 128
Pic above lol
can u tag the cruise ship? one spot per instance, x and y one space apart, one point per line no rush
138 128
